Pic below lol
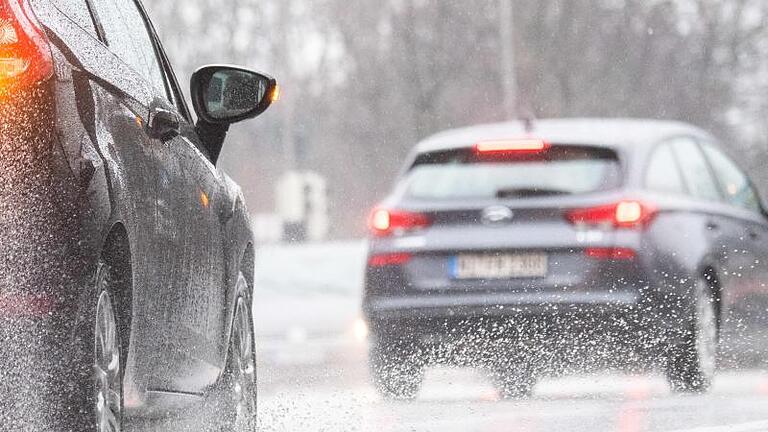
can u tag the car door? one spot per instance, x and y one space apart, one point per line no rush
720 232
191 205
169 335
749 302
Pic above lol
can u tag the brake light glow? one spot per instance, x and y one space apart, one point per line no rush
26 305
625 214
613 254
25 56
629 212
528 145
386 260
383 222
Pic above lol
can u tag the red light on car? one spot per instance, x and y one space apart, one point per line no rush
528 145
613 254
385 260
26 305
380 220
25 56
625 214
385 222
629 212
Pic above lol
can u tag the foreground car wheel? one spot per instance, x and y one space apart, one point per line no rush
396 369
691 367
240 376
108 396
97 371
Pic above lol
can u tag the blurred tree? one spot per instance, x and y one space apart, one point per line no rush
365 80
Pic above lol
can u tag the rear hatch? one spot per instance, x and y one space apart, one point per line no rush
526 220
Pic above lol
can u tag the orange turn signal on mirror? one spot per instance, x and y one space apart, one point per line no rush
276 93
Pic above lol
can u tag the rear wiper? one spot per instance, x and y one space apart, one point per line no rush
529 192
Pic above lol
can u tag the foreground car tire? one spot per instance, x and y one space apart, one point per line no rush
396 368
691 366
238 387
99 363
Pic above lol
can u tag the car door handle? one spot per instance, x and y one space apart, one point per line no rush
163 124
754 235
712 226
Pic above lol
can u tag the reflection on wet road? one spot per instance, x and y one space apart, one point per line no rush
313 373
464 401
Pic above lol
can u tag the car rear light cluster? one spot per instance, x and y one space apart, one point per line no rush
612 254
625 214
384 222
390 259
25 56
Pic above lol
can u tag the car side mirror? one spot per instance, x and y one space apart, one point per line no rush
223 95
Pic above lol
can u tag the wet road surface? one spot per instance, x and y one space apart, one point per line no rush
464 401
313 372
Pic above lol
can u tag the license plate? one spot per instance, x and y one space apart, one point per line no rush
502 266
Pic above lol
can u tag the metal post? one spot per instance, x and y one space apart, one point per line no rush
508 71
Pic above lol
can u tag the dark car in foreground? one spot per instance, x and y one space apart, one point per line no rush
570 244
126 257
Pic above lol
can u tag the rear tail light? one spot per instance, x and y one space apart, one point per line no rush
613 254
527 145
385 222
25 56
26 305
625 214
392 259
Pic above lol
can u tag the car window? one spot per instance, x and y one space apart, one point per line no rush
176 95
663 173
734 183
696 170
79 12
560 171
128 37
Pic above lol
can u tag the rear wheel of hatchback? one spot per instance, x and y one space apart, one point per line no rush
396 367
691 365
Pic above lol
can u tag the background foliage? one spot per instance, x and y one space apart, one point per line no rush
364 80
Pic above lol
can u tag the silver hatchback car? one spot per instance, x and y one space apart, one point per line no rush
530 250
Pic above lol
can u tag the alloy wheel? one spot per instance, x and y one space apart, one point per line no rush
108 391
706 335
243 370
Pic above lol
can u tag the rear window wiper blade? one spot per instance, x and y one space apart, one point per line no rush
529 192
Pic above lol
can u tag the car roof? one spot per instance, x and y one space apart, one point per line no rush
618 134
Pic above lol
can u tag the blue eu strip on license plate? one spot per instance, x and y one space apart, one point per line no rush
453 267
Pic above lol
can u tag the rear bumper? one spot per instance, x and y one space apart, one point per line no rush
634 317
47 235
499 305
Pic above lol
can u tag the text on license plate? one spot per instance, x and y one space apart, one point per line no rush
501 266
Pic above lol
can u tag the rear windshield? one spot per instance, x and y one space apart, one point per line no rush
464 174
